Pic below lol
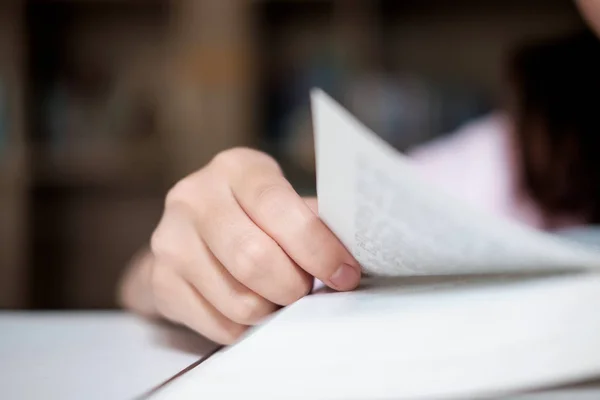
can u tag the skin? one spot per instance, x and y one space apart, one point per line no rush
590 10
236 242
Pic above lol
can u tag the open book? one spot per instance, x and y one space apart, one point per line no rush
457 303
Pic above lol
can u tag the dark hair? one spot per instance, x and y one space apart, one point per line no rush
557 124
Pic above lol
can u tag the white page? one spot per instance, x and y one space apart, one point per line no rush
412 340
93 355
395 223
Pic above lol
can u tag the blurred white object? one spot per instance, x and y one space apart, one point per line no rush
94 356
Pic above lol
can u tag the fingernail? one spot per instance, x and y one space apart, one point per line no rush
345 278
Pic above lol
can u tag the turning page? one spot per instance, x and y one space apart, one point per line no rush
395 223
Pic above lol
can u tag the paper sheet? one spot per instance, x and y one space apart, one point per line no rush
412 342
395 223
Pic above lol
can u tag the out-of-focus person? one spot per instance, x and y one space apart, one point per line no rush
537 161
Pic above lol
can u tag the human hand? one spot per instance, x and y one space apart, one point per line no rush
235 243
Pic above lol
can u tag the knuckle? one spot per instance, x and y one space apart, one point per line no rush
271 199
172 251
248 310
252 258
157 246
237 158
230 334
190 197
271 193
230 158
182 192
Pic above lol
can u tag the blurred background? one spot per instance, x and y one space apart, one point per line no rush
104 104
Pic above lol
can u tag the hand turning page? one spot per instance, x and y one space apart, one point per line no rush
466 334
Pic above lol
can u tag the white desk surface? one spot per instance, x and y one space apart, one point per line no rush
113 355
92 355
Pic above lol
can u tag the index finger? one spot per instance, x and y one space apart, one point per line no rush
271 202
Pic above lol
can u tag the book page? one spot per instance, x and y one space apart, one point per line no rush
395 223
418 338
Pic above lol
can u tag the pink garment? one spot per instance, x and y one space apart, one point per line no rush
476 164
